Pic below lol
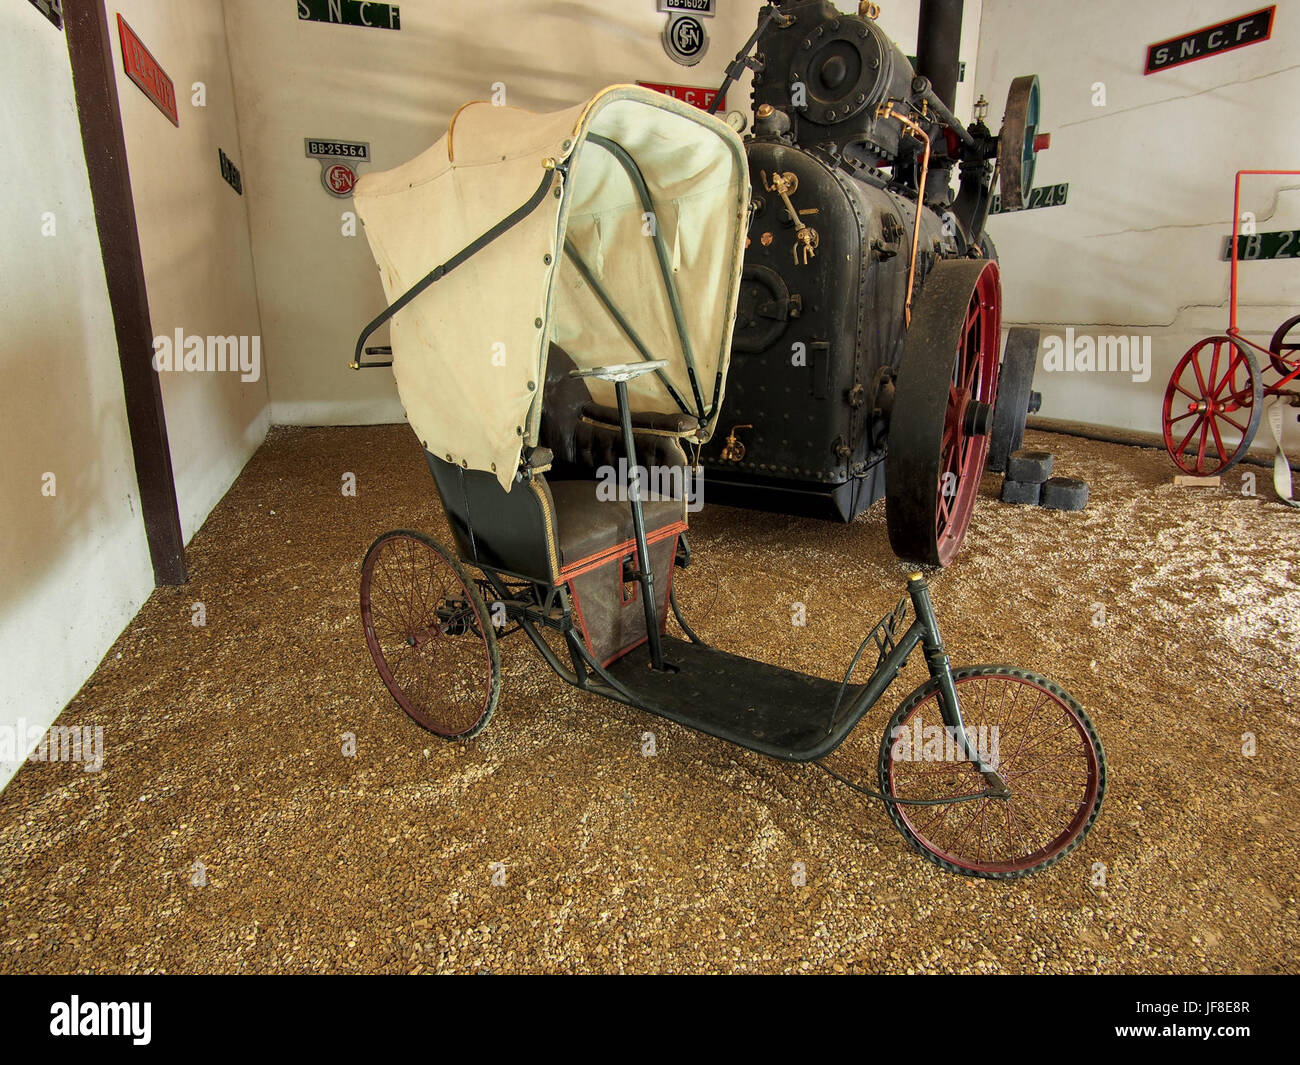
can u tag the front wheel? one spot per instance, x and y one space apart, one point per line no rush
429 633
1040 741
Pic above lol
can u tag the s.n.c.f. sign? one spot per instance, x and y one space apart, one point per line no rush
1211 40
143 69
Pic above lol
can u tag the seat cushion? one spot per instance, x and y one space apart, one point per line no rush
674 424
589 526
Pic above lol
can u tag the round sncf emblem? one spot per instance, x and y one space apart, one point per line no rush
339 161
685 40
339 179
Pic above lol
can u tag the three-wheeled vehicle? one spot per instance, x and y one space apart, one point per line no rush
562 293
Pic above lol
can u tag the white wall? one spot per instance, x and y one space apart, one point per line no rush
398 90
1136 248
76 566
194 239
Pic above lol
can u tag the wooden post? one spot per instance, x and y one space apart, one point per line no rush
95 83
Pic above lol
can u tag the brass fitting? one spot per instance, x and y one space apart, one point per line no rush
732 449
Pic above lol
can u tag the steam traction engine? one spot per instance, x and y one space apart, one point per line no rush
865 353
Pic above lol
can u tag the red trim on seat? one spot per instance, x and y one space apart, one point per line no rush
591 562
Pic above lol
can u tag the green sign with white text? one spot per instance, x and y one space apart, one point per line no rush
1043 196
1283 244
351 13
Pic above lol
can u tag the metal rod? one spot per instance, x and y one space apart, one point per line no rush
882 676
620 320
661 253
466 253
741 61
677 613
936 659
941 109
645 574
887 111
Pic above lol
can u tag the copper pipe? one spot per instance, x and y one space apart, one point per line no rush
887 111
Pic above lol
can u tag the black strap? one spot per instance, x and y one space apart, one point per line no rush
467 252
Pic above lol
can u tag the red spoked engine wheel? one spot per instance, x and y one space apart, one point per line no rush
1284 348
943 410
1212 406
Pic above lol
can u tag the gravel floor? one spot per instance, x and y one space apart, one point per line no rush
1172 614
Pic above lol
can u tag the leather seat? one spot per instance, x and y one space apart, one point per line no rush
588 526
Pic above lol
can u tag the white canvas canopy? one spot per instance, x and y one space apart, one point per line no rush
634 252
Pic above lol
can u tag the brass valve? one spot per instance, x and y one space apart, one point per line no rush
806 241
732 449
806 238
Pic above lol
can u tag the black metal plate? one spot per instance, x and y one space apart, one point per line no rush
776 711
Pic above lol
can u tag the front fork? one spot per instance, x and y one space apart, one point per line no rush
937 661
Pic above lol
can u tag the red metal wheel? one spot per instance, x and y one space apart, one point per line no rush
1284 351
1212 406
429 633
943 411
1040 741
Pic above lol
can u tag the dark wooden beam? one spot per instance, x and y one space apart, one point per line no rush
95 82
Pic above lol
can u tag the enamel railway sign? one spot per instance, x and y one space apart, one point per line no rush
685 39
372 16
696 95
143 69
1283 244
338 163
1043 196
687 7
1211 40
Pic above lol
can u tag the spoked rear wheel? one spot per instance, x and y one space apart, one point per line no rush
1212 406
1284 348
429 632
1038 739
943 411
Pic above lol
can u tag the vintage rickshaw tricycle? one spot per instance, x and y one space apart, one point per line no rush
581 317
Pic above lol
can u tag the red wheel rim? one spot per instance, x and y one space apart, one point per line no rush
1045 754
971 394
429 634
1210 409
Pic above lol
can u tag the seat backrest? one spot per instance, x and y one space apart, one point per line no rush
563 398
585 437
